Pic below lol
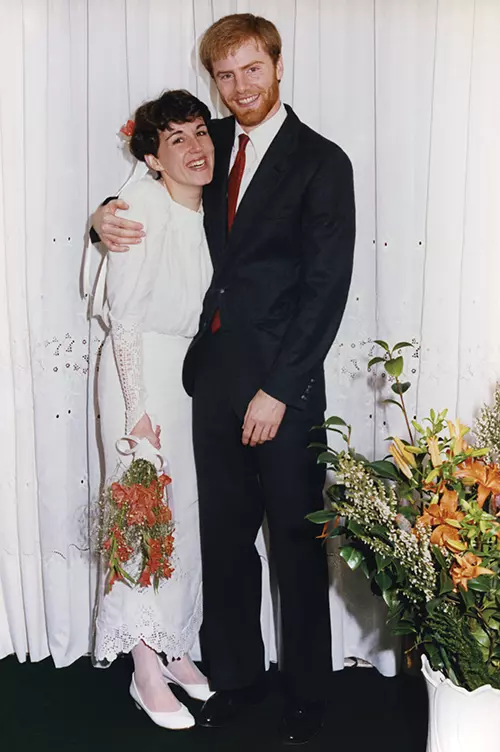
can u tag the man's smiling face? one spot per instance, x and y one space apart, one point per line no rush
248 82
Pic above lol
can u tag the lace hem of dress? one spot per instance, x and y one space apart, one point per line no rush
124 638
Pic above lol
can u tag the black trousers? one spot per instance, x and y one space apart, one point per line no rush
238 485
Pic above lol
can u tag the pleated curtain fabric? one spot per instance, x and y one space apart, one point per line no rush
408 89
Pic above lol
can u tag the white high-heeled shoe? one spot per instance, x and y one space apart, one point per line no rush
195 691
177 720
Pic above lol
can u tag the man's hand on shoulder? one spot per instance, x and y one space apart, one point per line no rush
117 233
262 419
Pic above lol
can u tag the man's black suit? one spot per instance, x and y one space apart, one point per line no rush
281 279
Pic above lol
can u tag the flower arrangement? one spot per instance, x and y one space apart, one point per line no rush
136 531
423 526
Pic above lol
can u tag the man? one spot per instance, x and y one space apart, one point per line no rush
279 218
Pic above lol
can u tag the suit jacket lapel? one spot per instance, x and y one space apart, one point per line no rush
215 194
267 178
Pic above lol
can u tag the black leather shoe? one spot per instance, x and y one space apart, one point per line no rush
301 722
226 705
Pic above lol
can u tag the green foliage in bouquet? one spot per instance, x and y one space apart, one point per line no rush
422 524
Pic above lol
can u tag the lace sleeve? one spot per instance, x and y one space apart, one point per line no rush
127 347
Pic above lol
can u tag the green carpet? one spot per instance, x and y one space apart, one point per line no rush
82 709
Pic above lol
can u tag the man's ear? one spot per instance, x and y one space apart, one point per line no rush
153 163
279 68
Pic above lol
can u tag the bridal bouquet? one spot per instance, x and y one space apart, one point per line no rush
136 527
423 525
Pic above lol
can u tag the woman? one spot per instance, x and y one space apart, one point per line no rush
154 296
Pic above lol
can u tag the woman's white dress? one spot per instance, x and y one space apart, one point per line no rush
154 295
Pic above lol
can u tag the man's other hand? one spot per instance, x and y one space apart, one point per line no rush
262 419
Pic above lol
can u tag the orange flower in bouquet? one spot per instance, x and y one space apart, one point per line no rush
136 528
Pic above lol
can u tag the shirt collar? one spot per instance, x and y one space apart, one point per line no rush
262 136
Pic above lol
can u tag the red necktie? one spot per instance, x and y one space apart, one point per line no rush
234 182
233 189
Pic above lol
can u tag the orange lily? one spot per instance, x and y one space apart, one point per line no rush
438 516
467 568
487 478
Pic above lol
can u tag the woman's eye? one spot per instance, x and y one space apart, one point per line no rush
178 140
202 133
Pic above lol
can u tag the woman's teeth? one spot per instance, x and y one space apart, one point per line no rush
198 165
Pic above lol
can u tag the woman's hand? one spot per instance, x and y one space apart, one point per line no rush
143 429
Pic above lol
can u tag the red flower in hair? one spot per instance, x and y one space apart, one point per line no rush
128 128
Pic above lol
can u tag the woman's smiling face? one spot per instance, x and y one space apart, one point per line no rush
186 153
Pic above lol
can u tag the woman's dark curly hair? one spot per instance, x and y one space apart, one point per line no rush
156 116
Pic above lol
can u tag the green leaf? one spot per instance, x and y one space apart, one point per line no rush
380 530
432 605
394 366
433 474
401 387
481 584
335 430
382 344
392 402
326 458
334 532
374 361
319 445
445 583
352 556
439 556
402 344
382 561
391 598
403 629
467 597
355 528
383 580
417 426
365 569
480 452
384 469
480 636
321 516
335 421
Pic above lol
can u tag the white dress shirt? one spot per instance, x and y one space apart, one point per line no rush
260 141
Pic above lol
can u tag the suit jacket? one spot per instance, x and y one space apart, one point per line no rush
282 275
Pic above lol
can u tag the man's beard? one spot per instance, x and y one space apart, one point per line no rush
252 117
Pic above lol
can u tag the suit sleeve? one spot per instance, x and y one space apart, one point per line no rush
328 233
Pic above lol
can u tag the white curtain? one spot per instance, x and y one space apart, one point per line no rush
409 88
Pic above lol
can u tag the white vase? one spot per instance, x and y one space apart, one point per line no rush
459 720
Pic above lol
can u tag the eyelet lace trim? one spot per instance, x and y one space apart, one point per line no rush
148 629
